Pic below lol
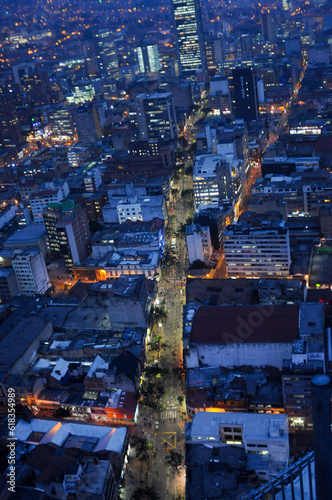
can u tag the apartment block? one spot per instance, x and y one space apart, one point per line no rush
257 250
30 270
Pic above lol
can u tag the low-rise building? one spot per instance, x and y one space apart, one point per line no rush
265 435
198 241
232 336
303 192
26 336
285 166
216 388
134 208
141 237
119 263
59 434
307 359
66 460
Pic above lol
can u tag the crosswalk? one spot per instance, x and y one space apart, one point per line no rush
169 413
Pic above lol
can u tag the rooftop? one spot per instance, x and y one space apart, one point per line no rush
55 432
30 234
231 324
255 425
18 340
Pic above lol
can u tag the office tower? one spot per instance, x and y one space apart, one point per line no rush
91 67
10 125
267 29
148 58
35 86
189 36
107 54
242 86
182 93
216 181
40 200
211 59
30 270
87 124
156 116
68 233
62 124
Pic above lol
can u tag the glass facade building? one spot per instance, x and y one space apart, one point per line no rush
189 36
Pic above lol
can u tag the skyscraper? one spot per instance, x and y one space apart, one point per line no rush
148 58
87 124
156 116
242 86
189 36
68 231
10 125
107 55
267 29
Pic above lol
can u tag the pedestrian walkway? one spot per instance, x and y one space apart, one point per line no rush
169 413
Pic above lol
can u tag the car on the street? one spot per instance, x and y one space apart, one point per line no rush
157 425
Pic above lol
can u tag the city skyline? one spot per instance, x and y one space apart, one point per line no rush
165 249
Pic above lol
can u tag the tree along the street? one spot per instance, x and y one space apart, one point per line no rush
143 449
146 493
159 314
151 393
174 459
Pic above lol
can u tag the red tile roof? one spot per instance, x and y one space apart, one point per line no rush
249 324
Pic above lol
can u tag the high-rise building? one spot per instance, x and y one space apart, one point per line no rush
92 180
68 231
87 124
10 125
217 179
30 270
189 36
107 54
63 128
267 29
260 250
211 60
40 200
8 284
156 116
34 85
242 86
148 58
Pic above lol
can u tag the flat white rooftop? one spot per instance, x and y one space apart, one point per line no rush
255 426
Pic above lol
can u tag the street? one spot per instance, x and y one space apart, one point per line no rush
167 481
